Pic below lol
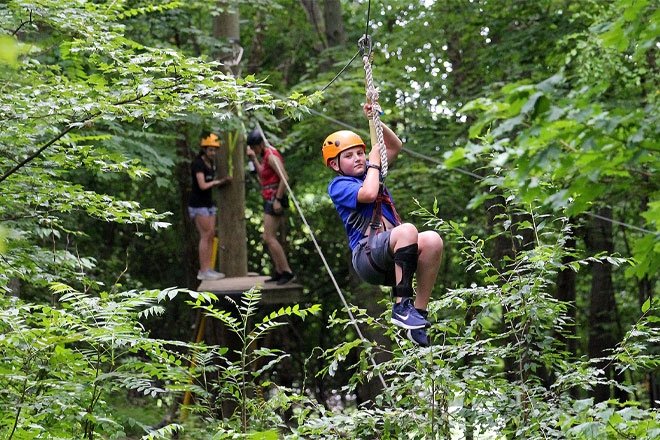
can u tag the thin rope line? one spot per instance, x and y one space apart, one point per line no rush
341 71
366 31
466 172
325 262
620 223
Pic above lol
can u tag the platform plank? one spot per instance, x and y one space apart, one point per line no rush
271 293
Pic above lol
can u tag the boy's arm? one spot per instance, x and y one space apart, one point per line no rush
369 190
393 144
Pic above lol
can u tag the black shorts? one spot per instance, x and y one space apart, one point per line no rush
268 206
375 264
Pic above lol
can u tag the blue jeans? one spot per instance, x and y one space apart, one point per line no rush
204 211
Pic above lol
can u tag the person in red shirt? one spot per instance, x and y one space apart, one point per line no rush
269 165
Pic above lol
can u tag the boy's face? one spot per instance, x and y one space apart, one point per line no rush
351 162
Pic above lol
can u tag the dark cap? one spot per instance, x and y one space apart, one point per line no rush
254 138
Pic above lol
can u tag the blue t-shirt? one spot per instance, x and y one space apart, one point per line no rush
356 216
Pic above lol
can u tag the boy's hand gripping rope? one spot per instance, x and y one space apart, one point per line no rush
372 98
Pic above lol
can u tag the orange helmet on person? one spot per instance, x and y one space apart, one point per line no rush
339 141
212 140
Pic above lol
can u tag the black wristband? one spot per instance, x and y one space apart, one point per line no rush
377 167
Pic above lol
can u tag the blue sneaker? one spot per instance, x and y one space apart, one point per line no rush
405 315
419 337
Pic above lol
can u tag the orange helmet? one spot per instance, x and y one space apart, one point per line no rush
340 141
211 140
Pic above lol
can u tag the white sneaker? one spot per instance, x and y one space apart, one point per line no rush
210 274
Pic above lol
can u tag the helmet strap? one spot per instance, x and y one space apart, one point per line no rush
339 170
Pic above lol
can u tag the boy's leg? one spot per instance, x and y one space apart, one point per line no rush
403 245
428 264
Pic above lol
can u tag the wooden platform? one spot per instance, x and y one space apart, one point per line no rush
271 293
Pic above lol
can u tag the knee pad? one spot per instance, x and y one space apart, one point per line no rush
402 291
406 258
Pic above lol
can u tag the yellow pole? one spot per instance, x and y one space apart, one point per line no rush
201 322
214 252
200 335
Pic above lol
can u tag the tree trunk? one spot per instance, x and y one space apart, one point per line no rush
602 315
501 248
232 249
257 48
646 291
334 24
226 28
232 236
315 17
566 294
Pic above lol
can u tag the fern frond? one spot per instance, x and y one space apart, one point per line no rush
166 432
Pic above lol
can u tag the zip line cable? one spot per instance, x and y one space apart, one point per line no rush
620 223
366 33
320 252
366 27
464 171
341 71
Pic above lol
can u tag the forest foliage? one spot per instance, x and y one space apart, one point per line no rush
530 133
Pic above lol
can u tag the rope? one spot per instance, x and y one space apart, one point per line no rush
364 44
325 262
376 111
341 71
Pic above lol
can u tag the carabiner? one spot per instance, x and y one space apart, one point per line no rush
364 44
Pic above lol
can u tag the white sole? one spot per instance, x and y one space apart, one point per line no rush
406 326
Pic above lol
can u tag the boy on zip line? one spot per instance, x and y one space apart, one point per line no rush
385 251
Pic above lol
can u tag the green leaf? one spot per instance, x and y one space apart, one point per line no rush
8 51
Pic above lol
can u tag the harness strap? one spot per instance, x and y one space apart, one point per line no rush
375 224
377 214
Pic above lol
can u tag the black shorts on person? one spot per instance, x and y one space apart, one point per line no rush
268 206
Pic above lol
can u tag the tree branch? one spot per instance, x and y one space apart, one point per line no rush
22 24
71 126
